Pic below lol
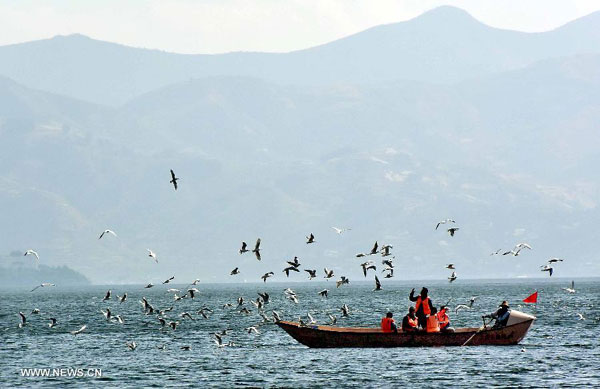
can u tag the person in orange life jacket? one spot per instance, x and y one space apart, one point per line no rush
410 321
444 320
388 324
433 325
423 305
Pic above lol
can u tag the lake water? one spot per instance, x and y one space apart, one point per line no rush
560 350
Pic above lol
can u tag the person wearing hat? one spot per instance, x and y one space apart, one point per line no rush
501 315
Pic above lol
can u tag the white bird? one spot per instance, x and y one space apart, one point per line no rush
514 253
107 314
341 230
252 329
107 232
42 285
311 320
32 252
345 310
343 280
152 254
132 346
35 311
522 246
52 322
328 273
122 298
580 316
79 331
332 318
496 252
107 297
444 222
461 306
571 289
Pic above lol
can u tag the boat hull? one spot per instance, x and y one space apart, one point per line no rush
339 337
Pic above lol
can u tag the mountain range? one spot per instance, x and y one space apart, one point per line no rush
386 131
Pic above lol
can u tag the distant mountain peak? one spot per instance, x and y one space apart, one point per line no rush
447 13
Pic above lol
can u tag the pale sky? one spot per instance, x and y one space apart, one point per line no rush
216 26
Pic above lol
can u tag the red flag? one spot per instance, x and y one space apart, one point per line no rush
532 298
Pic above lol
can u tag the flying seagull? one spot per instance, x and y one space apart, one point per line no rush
343 280
310 238
32 252
366 266
168 280
42 285
173 179
450 266
328 273
79 331
452 277
374 250
555 260
107 232
452 230
267 275
256 250
547 268
23 322
324 293
52 322
132 346
571 289
311 273
341 230
377 284
152 254
234 272
444 222
290 268
150 285
385 250
244 248
107 297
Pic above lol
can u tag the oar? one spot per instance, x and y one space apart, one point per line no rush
476 332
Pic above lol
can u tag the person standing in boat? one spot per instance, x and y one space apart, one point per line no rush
388 324
410 322
423 305
501 315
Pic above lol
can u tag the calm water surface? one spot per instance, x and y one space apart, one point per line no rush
559 351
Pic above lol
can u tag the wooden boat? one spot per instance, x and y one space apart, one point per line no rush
337 337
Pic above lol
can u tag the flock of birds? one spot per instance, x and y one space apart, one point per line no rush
291 266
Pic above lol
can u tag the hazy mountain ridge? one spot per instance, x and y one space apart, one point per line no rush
443 45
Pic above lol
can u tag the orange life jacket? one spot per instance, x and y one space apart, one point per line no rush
426 309
432 324
412 323
386 324
443 318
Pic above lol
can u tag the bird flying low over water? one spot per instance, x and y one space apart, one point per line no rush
343 280
111 232
547 268
173 179
571 289
290 268
324 293
328 273
150 285
444 222
345 310
310 238
367 266
52 322
132 346
452 277
168 280
23 322
122 298
79 331
107 296
256 250
453 230
377 284
42 285
32 252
